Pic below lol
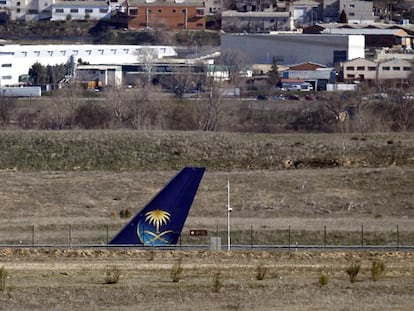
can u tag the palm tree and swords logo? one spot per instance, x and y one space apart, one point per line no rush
154 219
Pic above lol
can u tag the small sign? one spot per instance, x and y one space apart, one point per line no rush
198 232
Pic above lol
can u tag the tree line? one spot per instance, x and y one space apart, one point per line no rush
144 109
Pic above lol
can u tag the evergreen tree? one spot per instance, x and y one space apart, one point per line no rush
273 74
41 75
343 18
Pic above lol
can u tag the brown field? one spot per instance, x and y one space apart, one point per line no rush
76 280
363 201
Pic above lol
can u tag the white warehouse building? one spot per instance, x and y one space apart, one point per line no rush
16 60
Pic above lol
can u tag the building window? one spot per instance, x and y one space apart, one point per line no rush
88 10
133 11
350 76
350 68
74 10
6 77
58 10
159 11
371 68
174 11
396 68
105 10
200 12
407 68
351 14
3 2
386 68
6 65
18 3
361 68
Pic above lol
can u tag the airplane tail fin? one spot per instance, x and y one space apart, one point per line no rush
161 221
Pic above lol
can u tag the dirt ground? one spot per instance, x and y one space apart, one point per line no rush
64 278
68 279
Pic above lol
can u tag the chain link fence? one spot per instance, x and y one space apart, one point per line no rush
100 235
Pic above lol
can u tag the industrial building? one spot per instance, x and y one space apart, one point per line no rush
293 48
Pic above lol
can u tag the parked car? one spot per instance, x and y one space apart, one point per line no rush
279 97
261 97
292 97
294 87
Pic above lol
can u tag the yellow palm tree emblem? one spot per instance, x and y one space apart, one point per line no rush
157 218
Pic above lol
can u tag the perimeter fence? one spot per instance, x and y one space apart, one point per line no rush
100 235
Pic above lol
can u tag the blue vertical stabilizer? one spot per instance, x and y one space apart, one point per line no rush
162 220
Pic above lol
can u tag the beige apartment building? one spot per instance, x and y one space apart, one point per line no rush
361 69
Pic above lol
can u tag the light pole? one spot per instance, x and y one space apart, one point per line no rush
229 209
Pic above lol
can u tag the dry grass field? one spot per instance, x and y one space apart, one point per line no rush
356 187
78 280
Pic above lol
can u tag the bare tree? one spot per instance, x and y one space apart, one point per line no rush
236 63
132 108
7 104
61 112
147 56
211 110
402 113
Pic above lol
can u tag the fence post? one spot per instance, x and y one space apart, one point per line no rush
324 236
398 238
289 237
107 234
251 236
33 235
362 235
70 235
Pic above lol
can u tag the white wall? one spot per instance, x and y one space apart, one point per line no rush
60 13
16 60
356 46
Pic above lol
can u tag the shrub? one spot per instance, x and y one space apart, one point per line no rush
92 116
217 282
176 271
125 213
151 255
377 269
323 279
112 275
353 271
260 272
3 277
